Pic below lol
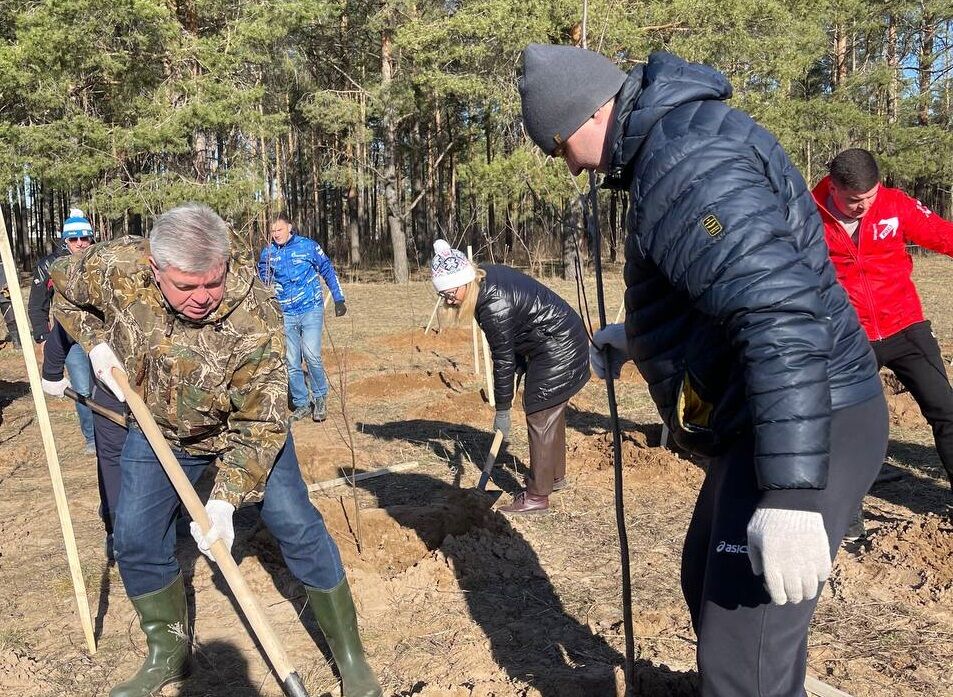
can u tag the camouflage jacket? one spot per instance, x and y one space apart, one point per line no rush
218 385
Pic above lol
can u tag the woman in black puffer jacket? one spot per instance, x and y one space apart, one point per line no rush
529 329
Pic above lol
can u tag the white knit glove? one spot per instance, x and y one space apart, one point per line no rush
103 361
54 388
792 551
220 516
612 335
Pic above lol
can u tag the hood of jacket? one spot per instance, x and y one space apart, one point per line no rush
664 83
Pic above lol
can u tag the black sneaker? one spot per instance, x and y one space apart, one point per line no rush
320 412
856 531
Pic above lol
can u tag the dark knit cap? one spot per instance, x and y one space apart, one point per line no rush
561 87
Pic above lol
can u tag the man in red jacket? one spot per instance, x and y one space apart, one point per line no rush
867 226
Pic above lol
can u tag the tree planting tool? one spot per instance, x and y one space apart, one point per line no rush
490 460
46 431
113 416
591 216
290 680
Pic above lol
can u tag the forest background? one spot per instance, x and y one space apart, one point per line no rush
381 125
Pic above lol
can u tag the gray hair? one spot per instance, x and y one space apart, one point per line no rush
192 238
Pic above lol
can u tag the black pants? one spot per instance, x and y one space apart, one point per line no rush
110 438
748 647
914 357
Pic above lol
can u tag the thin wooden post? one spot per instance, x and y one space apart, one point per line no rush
433 314
475 329
361 476
46 431
488 364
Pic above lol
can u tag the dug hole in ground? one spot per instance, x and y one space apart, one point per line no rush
454 599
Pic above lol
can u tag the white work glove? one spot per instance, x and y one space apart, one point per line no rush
54 388
220 516
792 551
612 335
103 361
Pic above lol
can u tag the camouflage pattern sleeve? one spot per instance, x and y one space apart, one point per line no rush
79 300
257 424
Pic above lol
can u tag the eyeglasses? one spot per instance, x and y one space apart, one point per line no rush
80 239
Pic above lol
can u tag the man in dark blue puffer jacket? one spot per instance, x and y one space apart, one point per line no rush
751 350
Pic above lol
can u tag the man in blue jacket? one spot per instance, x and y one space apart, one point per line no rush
295 266
752 352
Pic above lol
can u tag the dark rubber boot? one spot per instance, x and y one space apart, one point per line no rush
334 611
163 616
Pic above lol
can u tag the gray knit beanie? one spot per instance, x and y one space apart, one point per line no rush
561 87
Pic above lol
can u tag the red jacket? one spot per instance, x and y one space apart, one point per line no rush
876 272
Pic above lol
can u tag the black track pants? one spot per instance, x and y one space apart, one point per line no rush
748 647
914 357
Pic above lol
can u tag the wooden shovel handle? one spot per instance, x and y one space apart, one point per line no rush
490 460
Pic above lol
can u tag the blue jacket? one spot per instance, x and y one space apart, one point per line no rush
733 312
294 269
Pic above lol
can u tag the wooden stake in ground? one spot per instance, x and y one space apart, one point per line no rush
290 679
488 364
475 328
46 430
433 314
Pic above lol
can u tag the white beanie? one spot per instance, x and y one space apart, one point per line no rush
450 267
76 225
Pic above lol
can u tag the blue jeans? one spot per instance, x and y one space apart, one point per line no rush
303 334
144 528
81 379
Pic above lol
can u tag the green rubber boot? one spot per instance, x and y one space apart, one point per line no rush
164 618
334 611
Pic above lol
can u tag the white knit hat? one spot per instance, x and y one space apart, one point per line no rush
450 267
76 225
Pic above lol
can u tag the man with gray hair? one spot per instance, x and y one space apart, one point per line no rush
201 338
751 350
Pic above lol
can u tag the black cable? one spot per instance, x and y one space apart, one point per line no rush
592 226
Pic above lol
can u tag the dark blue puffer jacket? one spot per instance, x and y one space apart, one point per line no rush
733 313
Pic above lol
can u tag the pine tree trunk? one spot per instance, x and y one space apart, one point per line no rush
893 87
395 223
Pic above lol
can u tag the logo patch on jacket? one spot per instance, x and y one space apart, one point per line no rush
712 225
886 228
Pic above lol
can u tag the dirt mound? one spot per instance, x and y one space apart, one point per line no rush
398 537
641 462
447 338
398 384
912 558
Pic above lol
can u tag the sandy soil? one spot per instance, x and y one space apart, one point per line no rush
454 599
